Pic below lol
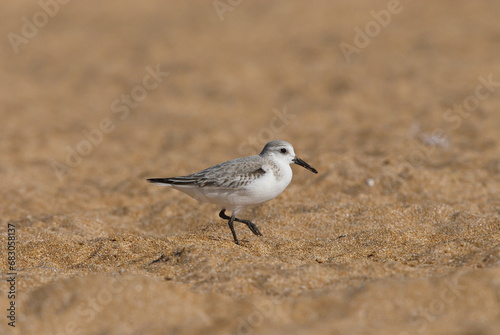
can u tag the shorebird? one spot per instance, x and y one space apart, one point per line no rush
241 182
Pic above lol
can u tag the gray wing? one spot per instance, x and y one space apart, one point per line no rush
231 174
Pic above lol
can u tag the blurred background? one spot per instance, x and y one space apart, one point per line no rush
396 103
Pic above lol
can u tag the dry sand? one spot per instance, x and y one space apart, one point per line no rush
397 234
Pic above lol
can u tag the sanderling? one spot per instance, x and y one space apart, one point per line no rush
241 182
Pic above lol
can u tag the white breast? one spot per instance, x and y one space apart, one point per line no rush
267 187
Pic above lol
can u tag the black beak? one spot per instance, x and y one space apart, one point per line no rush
300 162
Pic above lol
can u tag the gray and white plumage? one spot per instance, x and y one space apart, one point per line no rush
241 182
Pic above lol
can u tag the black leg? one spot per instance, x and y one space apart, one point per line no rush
252 226
231 226
223 215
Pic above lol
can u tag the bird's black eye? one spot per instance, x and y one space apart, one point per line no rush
283 150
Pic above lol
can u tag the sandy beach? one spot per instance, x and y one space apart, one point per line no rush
395 103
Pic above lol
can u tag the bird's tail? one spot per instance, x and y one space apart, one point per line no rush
180 181
160 181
